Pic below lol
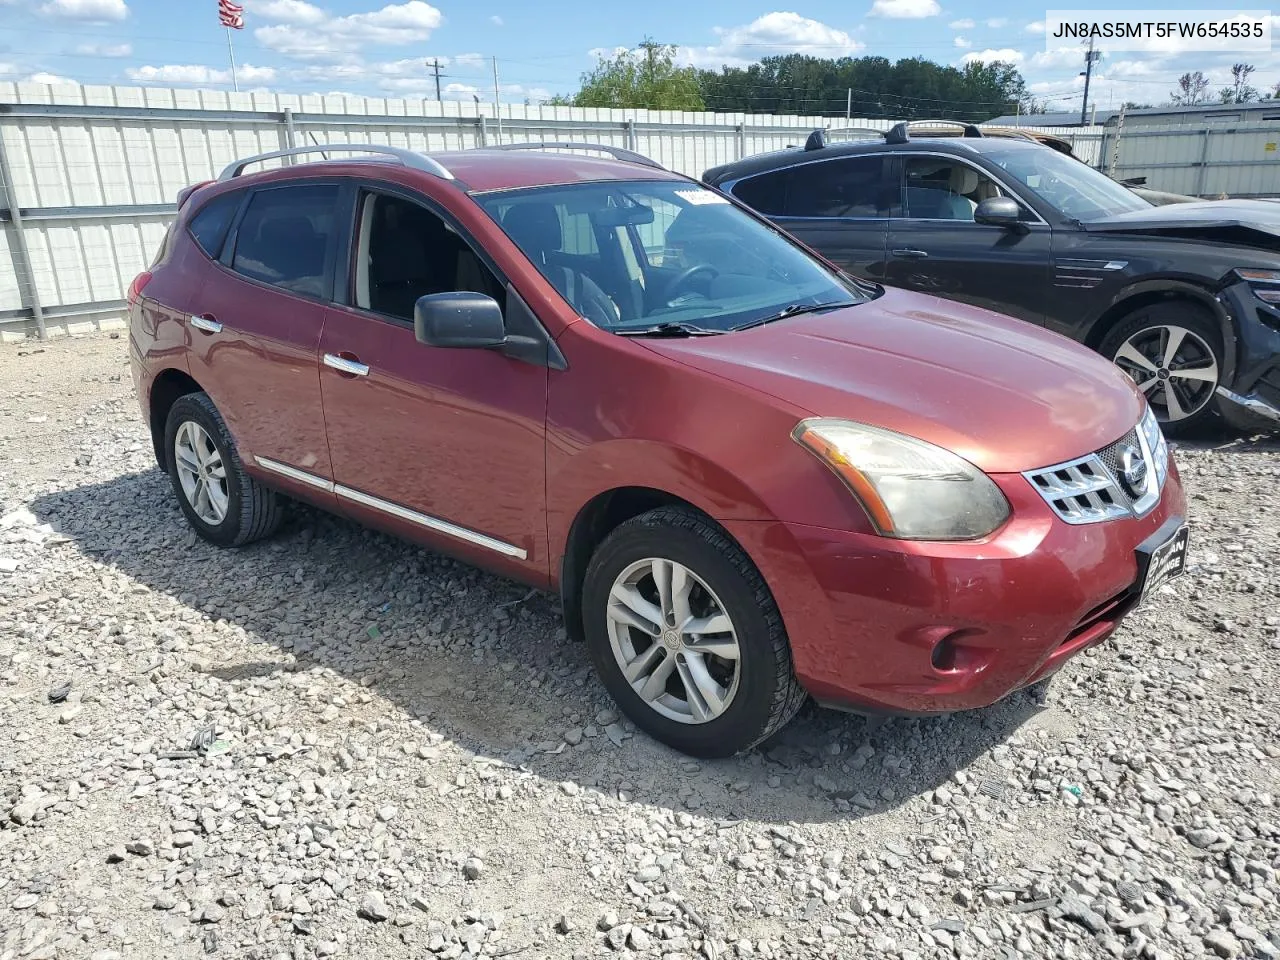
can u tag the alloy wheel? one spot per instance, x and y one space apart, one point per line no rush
673 641
201 472
1173 366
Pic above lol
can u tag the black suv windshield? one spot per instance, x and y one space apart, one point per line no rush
665 256
1071 187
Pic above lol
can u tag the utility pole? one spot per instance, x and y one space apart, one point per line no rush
435 65
1090 58
497 99
848 105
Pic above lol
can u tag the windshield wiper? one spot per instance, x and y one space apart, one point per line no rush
669 328
791 310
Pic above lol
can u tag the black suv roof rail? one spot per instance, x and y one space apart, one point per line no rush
966 129
618 153
407 158
818 139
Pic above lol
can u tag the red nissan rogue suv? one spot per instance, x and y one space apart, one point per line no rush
750 477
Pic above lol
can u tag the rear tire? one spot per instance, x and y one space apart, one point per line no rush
222 503
708 693
1173 351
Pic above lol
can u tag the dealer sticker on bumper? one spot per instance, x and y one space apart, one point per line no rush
1164 560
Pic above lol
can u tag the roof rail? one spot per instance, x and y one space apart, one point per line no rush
407 158
966 129
818 139
618 153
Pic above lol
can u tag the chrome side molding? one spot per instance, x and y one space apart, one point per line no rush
394 509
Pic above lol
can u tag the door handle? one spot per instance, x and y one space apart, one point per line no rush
206 323
907 254
353 368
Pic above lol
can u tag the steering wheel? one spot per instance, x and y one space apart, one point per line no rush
684 276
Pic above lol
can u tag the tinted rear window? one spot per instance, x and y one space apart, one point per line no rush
284 237
209 226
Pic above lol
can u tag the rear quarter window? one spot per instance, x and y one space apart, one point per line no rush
209 227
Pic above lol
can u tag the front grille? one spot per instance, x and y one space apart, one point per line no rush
1110 457
1092 489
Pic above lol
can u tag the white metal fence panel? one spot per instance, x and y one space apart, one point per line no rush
95 170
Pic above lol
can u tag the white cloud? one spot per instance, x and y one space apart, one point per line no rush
1035 26
965 24
1058 58
471 61
962 42
772 34
50 78
1003 55
105 50
196 73
496 20
297 12
335 38
7 68
94 10
905 9
995 23
460 91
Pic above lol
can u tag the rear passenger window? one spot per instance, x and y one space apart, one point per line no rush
209 226
766 193
284 237
849 187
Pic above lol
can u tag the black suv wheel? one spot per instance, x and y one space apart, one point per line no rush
1173 353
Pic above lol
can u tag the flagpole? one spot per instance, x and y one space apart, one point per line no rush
232 54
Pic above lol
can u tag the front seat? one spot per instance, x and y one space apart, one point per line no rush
535 227
962 181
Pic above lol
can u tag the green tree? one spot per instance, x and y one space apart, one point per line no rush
871 87
648 77
1240 91
1193 89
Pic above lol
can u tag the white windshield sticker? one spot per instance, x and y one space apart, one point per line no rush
697 197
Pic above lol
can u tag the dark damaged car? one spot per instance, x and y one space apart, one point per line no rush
1185 297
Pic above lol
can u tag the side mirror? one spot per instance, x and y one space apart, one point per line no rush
999 212
459 320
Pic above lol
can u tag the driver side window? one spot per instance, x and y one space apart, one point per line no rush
406 251
935 188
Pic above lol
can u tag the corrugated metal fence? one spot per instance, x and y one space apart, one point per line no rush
89 174
1207 159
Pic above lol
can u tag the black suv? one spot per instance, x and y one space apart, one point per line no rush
1185 298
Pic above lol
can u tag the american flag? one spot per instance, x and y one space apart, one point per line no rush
231 14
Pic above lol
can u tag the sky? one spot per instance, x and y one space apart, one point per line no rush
376 48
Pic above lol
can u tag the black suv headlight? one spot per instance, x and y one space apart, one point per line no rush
1264 283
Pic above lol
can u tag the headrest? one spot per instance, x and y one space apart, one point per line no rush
963 179
535 227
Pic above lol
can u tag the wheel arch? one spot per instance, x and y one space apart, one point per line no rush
168 386
596 519
1152 292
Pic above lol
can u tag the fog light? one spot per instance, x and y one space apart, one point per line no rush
943 656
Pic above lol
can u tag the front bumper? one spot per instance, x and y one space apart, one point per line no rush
1255 381
881 625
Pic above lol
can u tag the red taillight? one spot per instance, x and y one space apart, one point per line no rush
139 283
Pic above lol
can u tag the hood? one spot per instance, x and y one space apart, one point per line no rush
1003 394
1252 222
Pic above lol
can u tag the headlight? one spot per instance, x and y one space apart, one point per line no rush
1156 444
910 489
1265 283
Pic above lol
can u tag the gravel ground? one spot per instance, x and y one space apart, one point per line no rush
336 744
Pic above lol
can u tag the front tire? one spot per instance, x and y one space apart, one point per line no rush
686 637
222 503
1173 352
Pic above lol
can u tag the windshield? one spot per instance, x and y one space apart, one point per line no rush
1069 186
635 255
